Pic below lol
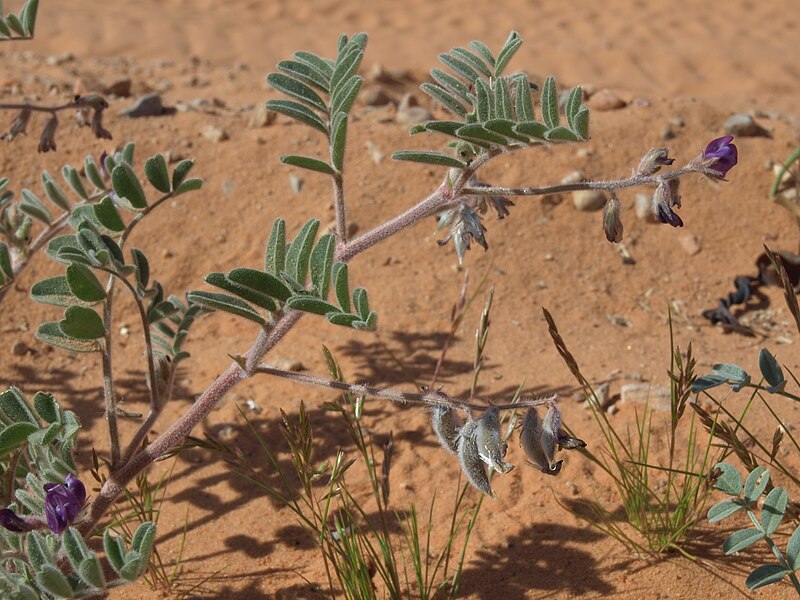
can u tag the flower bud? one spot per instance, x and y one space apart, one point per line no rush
612 221
15 523
653 161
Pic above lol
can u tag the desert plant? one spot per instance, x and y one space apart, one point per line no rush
745 497
492 114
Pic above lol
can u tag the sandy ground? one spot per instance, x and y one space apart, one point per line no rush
694 61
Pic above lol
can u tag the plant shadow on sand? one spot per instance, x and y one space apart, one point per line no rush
545 557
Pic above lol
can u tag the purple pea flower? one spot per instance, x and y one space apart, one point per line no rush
63 503
720 155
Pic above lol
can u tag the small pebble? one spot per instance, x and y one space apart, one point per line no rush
690 243
149 105
261 117
605 100
658 397
120 88
410 113
295 183
742 125
19 348
589 200
574 177
375 96
215 134
668 134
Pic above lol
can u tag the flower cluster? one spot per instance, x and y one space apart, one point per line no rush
62 505
480 447
719 157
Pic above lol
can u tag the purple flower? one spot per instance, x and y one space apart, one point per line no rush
63 503
13 522
721 155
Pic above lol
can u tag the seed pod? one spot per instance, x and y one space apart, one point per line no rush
549 435
446 424
470 460
491 447
529 439
533 429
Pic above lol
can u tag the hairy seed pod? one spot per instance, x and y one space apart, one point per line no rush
446 424
529 439
470 460
549 436
491 447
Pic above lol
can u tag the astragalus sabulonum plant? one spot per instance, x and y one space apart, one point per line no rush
492 112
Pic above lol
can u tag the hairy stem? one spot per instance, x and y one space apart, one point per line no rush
48 109
426 398
616 184
168 440
338 204
108 378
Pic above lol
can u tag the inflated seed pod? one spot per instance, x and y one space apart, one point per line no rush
549 436
491 448
446 424
529 439
471 462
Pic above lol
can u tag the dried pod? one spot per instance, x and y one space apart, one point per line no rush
47 141
446 424
98 130
612 220
19 125
471 462
491 448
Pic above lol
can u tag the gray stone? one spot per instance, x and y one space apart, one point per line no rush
149 105
742 125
